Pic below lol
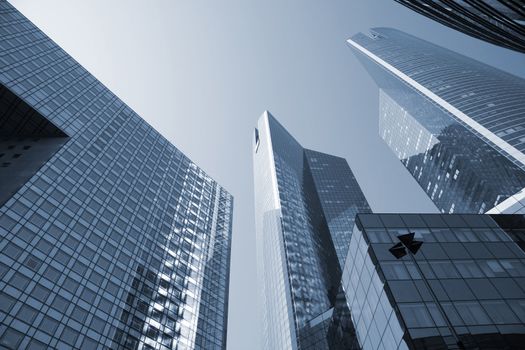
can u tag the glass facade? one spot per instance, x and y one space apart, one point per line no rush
466 283
457 170
305 203
455 123
499 22
111 238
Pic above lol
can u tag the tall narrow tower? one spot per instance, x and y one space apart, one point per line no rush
305 204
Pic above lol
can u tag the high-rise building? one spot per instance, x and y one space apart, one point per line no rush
111 238
500 22
455 123
305 204
458 283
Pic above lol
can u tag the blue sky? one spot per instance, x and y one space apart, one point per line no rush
202 72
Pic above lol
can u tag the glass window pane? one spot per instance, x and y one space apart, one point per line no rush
499 311
518 306
416 315
468 269
472 313
395 270
444 269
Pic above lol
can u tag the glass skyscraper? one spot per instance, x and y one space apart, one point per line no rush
500 22
456 124
111 238
463 289
305 204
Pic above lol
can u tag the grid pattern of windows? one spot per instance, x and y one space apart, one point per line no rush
458 171
467 281
274 307
499 22
314 196
490 96
118 240
27 140
454 97
340 196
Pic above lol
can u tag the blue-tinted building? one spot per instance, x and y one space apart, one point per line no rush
305 204
500 22
456 124
463 289
111 238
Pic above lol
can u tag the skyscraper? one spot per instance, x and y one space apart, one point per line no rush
110 236
500 22
305 204
457 124
462 288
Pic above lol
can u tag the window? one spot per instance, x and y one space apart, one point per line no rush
60 304
465 235
444 235
514 268
19 281
27 314
518 306
468 269
378 236
472 313
48 325
12 251
452 315
33 262
416 315
69 335
444 269
395 270
492 268
499 311
6 302
11 338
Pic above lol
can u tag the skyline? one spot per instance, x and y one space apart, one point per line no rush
305 75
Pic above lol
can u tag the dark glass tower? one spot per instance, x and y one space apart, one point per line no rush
305 204
500 22
456 124
463 289
111 238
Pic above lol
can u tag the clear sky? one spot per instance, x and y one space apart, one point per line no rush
202 72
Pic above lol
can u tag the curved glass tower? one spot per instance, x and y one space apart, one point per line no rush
500 22
305 204
458 125
111 238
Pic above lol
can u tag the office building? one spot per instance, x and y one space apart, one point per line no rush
111 238
455 123
305 204
458 283
500 22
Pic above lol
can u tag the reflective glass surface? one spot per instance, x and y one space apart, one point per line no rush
458 170
456 123
466 283
113 238
499 22
305 203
